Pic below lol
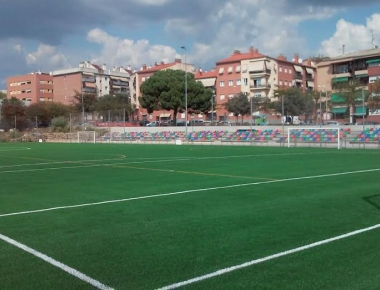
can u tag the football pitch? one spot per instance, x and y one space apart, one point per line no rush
85 216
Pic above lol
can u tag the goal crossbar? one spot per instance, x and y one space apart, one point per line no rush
338 130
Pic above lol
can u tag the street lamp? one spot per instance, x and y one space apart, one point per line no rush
184 49
82 113
320 104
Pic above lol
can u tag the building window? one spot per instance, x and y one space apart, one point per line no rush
286 70
238 82
280 82
230 83
280 69
221 83
290 70
222 97
142 79
245 81
258 95
230 96
286 83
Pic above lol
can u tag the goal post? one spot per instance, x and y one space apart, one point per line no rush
86 137
327 135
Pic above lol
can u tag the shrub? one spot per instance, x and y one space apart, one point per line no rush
59 124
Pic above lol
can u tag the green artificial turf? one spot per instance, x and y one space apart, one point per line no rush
254 202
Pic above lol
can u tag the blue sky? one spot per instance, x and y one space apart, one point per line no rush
47 37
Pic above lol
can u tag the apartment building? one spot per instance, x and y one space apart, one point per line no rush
90 78
208 79
259 75
31 88
364 66
145 73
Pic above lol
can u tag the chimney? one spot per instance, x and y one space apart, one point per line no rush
256 51
129 67
156 63
104 67
251 50
281 57
144 66
296 58
162 62
177 60
236 51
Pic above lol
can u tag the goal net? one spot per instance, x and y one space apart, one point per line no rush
86 137
323 137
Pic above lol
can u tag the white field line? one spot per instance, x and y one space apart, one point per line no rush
55 263
62 162
134 162
267 258
185 191
14 149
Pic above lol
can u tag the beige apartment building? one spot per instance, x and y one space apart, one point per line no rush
90 78
364 66
31 88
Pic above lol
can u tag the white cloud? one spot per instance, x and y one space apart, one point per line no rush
352 36
116 51
46 57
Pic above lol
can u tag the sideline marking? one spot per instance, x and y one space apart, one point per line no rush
136 162
185 191
14 149
193 172
55 263
267 258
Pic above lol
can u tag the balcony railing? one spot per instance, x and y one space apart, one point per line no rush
259 73
89 90
120 83
260 87
88 79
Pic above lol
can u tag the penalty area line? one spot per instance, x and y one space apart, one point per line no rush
267 258
56 263
185 192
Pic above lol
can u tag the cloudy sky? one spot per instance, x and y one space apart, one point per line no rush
47 35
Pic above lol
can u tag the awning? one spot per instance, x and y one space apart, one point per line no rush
298 68
116 87
208 82
360 111
257 66
124 79
165 115
362 76
221 70
267 65
310 84
238 68
309 70
337 98
377 60
114 78
245 68
230 69
87 74
340 110
298 81
340 80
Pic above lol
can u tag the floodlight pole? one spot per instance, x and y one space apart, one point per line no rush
251 119
363 108
184 49
212 109
320 109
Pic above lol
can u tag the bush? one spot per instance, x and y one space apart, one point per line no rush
59 122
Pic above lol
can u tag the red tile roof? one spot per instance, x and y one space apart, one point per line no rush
237 56
205 75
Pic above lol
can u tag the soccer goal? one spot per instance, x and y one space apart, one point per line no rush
327 136
86 137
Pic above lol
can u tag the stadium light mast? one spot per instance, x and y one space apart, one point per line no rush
185 51
82 113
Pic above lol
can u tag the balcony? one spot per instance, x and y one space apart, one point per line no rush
254 74
260 87
89 90
120 83
298 76
88 79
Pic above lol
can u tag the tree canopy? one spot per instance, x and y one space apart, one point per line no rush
119 104
295 102
239 105
166 90
374 100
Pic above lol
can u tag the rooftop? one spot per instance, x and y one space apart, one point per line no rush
199 74
353 55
